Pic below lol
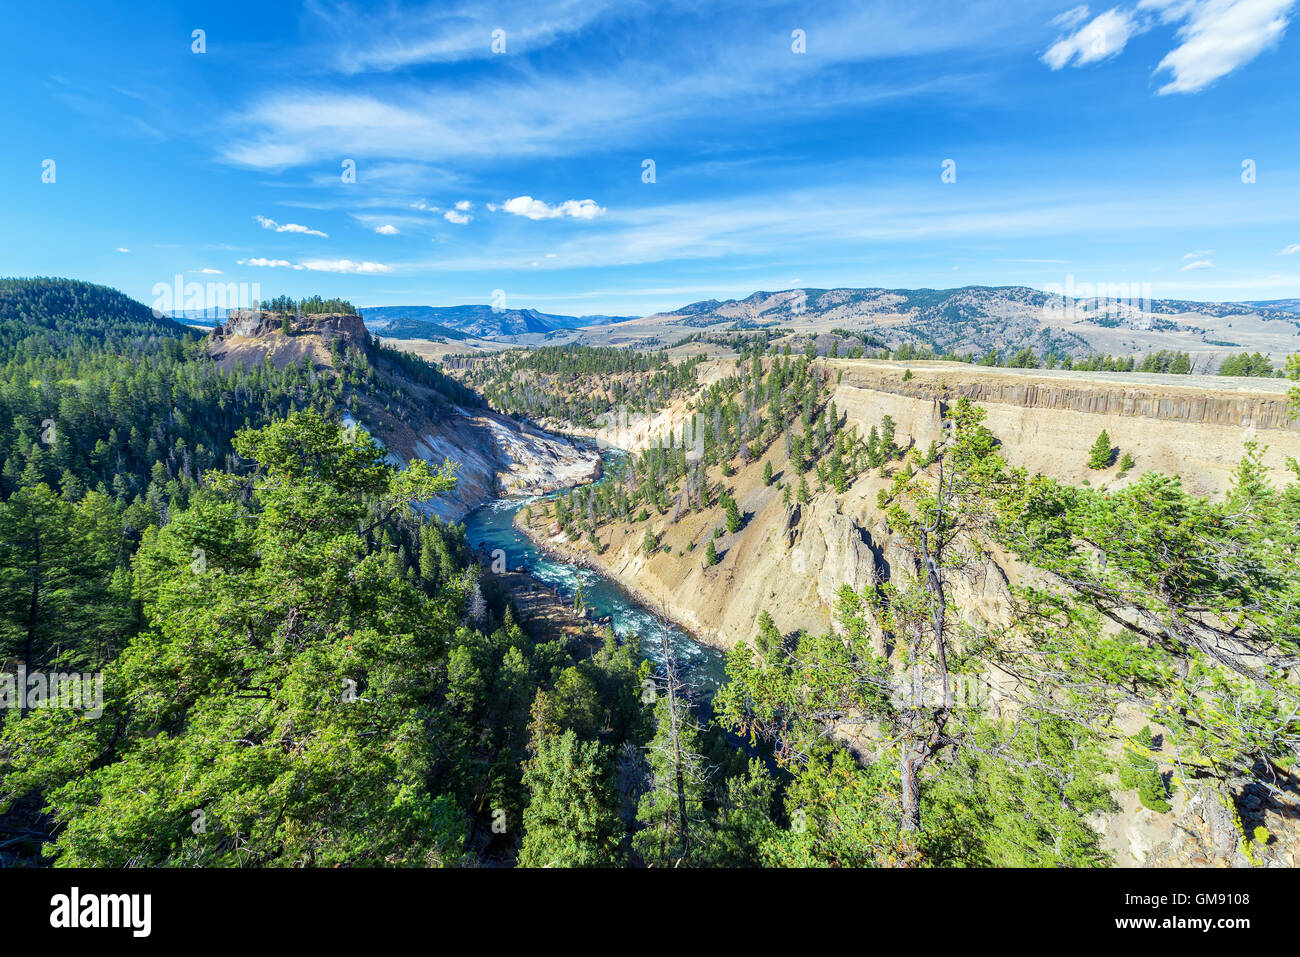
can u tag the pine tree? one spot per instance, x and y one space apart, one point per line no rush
734 518
768 639
767 472
673 807
570 820
1101 454
710 554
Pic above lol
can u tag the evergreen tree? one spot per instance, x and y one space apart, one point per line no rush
1101 455
570 820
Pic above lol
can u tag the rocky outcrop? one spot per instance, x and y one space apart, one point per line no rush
250 324
494 454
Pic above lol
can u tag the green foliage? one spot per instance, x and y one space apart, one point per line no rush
1138 771
570 819
768 639
1200 598
1167 362
1247 364
1101 455
273 692
677 786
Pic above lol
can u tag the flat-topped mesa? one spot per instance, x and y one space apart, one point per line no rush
251 323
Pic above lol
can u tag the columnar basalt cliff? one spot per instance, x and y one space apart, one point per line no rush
1170 402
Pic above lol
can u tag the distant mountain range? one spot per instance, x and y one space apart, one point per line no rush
967 319
461 322
981 318
1286 305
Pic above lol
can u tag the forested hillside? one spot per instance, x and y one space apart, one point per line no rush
301 667
576 384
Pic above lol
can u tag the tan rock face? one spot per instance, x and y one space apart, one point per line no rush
1046 423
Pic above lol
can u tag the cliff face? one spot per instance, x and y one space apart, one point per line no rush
1192 427
1167 401
494 453
243 323
496 456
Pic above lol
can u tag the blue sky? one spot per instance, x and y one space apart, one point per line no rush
1103 144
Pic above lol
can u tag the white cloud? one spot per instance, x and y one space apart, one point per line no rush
1106 36
1217 37
537 209
123 249
343 266
1290 250
211 272
289 227
269 263
321 265
388 229
1197 265
1198 254
460 219
464 205
422 205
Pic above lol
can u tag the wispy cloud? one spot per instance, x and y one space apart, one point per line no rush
320 265
1197 265
388 229
289 227
381 40
269 263
575 103
1289 250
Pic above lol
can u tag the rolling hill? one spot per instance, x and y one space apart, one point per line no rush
460 322
976 319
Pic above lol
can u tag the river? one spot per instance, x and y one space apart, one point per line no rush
491 526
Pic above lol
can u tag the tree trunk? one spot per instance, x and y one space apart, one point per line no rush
910 770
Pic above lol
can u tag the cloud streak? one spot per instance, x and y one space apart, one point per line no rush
267 223
346 266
